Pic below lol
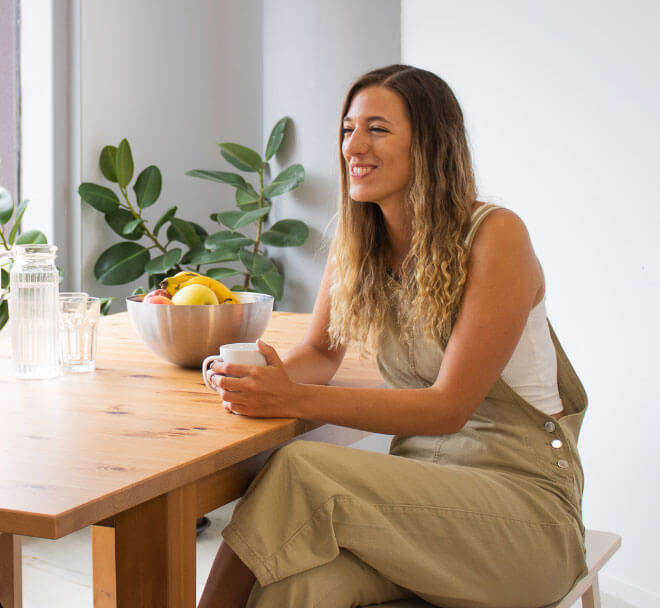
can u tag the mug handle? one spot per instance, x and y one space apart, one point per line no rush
205 365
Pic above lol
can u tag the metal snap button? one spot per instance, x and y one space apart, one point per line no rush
550 426
562 464
556 443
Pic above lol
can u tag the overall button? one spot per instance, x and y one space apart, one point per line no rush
562 464
556 443
550 426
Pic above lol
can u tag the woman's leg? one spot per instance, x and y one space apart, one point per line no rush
345 582
229 583
453 535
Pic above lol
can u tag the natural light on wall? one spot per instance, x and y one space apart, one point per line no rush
49 137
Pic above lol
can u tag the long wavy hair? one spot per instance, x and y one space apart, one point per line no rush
439 199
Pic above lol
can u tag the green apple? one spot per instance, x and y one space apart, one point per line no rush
194 294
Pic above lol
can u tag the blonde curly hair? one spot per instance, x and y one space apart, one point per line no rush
439 198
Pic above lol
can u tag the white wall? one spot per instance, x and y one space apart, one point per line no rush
175 78
312 52
561 100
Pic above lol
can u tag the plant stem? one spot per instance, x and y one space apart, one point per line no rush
255 251
4 242
148 232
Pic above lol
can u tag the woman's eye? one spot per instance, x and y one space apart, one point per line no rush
345 131
379 130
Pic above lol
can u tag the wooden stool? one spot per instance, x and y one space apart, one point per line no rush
600 547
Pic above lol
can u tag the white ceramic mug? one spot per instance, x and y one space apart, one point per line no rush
244 353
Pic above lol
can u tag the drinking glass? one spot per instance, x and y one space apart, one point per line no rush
79 317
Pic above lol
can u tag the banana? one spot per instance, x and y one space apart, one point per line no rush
224 295
174 283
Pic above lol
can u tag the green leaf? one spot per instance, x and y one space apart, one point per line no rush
286 233
6 205
246 197
255 264
101 198
289 179
124 163
121 263
228 240
245 159
17 222
108 163
224 177
4 313
220 273
139 291
271 282
131 226
168 215
31 237
105 305
147 186
204 256
4 280
185 232
237 219
164 262
120 219
60 274
276 136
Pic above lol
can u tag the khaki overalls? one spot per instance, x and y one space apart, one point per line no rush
488 516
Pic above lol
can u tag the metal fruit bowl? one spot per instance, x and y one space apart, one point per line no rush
185 335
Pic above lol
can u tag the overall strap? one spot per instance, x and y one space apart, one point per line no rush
477 218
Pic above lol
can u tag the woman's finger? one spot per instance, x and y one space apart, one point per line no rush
215 364
272 358
228 383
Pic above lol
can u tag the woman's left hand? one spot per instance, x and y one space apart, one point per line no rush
262 392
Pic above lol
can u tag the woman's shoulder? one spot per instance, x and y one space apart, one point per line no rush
497 219
501 235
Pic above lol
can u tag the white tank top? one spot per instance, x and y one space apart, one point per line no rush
532 369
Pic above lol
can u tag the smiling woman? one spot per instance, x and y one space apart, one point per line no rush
376 148
478 503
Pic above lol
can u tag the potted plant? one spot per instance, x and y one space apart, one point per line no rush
174 244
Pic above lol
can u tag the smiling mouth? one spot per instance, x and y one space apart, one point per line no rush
360 171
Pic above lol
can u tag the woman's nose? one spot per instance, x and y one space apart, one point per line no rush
355 143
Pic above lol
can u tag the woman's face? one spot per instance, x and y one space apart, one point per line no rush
376 146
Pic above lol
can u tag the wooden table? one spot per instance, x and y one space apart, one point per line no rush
139 449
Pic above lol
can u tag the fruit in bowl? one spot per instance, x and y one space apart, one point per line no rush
158 296
194 295
186 332
182 280
190 289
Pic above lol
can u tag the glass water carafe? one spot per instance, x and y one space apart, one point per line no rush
33 312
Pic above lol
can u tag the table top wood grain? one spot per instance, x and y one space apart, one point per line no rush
81 447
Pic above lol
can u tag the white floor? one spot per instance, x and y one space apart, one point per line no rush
58 573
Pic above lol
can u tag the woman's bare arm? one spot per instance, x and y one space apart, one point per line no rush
504 280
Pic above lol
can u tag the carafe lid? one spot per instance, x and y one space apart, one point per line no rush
35 250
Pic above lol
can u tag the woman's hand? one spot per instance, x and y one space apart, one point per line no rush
261 392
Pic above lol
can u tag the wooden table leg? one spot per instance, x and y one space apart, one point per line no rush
146 555
11 579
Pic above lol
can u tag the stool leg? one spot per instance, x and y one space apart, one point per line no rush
591 597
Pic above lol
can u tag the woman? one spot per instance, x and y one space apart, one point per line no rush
478 502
